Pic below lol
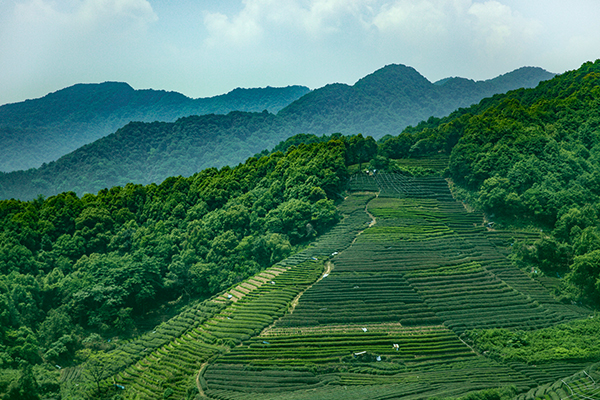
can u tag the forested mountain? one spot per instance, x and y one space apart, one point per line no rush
530 156
289 277
381 103
41 130
72 266
394 97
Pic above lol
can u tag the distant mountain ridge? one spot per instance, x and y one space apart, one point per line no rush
393 97
381 103
41 130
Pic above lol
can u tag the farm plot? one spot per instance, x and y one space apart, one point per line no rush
175 364
584 384
466 282
432 358
359 299
389 312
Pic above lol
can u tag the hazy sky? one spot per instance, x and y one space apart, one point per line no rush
208 47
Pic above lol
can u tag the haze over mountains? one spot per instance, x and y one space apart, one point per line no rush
42 130
384 102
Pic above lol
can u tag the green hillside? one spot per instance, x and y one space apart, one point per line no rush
408 296
384 102
39 131
530 157
333 270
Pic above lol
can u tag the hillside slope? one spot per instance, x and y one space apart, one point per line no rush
530 158
377 308
390 99
383 102
41 130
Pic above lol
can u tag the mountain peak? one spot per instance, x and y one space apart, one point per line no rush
397 74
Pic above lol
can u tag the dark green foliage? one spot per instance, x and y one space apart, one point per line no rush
296 140
103 262
576 341
25 387
504 393
41 130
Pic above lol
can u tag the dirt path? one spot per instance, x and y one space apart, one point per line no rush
294 303
373 219
198 385
372 223
466 344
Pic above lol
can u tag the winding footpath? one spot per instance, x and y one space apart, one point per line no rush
328 268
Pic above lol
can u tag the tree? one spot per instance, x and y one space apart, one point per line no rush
98 367
26 387
585 274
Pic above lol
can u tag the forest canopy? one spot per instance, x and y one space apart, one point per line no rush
73 266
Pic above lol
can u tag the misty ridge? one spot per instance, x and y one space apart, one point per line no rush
382 103
41 130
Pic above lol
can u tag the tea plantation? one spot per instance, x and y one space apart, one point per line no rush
383 306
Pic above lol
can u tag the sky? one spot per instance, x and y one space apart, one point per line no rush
204 48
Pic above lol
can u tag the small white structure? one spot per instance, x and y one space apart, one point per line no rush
364 329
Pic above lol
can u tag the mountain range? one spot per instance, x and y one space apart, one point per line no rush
38 131
384 102
469 273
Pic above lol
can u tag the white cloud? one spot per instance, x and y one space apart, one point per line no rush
264 19
243 29
410 17
90 13
415 32
488 28
499 29
208 47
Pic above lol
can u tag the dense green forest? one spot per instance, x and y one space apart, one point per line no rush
42 130
73 267
381 103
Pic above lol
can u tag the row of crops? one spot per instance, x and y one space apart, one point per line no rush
386 321
169 358
584 384
287 363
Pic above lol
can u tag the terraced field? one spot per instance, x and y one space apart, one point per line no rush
581 385
373 310
393 308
